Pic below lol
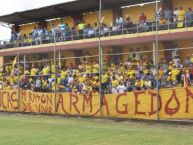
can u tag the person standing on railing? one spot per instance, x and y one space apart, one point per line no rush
81 27
46 37
91 32
181 17
55 31
34 33
40 33
168 15
189 17
105 30
128 24
62 28
85 30
175 14
119 23
143 22
13 37
96 27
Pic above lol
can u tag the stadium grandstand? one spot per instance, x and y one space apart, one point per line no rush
130 48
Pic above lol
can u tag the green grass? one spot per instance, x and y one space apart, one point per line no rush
44 130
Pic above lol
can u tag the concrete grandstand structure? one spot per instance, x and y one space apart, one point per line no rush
135 35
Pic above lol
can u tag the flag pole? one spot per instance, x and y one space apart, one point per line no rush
100 56
55 77
157 63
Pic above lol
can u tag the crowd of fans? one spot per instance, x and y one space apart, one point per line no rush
176 18
138 73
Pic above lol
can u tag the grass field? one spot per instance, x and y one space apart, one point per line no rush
45 130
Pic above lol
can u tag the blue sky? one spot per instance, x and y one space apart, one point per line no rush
10 6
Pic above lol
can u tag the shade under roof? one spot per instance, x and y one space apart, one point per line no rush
64 9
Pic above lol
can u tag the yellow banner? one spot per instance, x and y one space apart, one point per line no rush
9 100
174 103
36 102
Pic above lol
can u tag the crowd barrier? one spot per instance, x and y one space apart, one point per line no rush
176 103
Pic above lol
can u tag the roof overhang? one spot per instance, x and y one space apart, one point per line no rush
64 9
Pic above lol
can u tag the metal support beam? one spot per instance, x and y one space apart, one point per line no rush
154 53
157 63
100 57
24 62
59 59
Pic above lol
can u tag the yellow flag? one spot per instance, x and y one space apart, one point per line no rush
14 62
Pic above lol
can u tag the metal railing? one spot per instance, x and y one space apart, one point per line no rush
73 35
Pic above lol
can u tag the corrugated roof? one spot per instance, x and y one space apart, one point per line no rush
65 9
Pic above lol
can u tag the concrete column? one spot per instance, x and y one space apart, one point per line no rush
117 50
77 53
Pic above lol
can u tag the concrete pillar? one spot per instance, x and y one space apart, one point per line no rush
117 50
168 53
77 53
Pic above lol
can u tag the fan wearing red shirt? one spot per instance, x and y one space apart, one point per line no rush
142 18
142 22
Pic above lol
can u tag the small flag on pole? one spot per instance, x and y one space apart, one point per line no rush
14 62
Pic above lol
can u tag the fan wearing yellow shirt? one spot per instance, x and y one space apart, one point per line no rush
63 74
95 68
175 72
115 83
52 68
95 85
44 85
139 84
27 72
80 27
181 16
145 71
88 69
161 72
131 72
81 79
104 81
45 71
191 59
33 71
171 79
6 86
